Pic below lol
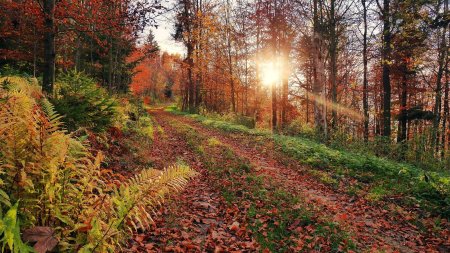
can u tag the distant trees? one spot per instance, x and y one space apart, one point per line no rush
362 68
157 74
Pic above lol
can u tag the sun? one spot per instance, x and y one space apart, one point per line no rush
270 73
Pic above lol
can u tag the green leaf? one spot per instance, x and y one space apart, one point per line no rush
9 222
4 199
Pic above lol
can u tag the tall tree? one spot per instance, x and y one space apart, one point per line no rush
442 56
386 63
318 70
365 77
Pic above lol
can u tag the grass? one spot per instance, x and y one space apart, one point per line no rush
145 127
272 210
429 190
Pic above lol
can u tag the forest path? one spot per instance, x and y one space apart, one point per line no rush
380 226
194 220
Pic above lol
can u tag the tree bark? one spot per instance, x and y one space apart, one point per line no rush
438 98
365 81
446 116
229 58
403 103
333 62
49 47
285 79
319 112
386 58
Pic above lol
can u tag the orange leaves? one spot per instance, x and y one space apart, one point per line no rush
341 217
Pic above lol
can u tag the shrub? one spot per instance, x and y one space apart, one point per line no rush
53 188
83 103
233 118
299 128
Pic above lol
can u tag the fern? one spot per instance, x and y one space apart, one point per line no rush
10 228
59 184
129 207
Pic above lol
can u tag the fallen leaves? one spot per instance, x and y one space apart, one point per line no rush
201 220
43 236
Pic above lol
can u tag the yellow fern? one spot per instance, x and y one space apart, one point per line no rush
58 182
131 205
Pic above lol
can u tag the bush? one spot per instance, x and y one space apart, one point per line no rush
83 103
233 118
53 190
299 128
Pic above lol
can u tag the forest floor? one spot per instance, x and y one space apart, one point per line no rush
251 197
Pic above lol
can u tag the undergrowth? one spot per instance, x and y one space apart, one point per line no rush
83 103
54 193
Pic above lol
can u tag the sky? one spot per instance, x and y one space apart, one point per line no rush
163 34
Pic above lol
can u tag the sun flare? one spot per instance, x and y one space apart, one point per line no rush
270 73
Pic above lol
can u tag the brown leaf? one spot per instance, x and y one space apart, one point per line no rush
43 236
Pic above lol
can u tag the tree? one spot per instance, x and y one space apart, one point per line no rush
386 63
49 46
365 77
318 68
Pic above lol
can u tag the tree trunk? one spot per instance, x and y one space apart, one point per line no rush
285 80
49 47
110 64
386 58
402 121
446 116
438 97
365 81
333 62
230 59
319 112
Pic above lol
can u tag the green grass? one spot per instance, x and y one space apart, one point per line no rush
145 127
430 190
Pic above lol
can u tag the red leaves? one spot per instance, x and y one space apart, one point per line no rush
43 236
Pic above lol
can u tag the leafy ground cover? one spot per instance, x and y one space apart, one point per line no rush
279 220
381 178
378 218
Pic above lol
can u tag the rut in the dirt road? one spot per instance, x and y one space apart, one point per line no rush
194 220
371 226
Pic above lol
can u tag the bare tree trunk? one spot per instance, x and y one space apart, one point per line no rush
446 117
285 79
402 124
318 82
110 64
438 98
49 47
365 81
333 62
386 58
230 59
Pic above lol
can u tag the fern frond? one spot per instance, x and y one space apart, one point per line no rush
50 112
131 204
